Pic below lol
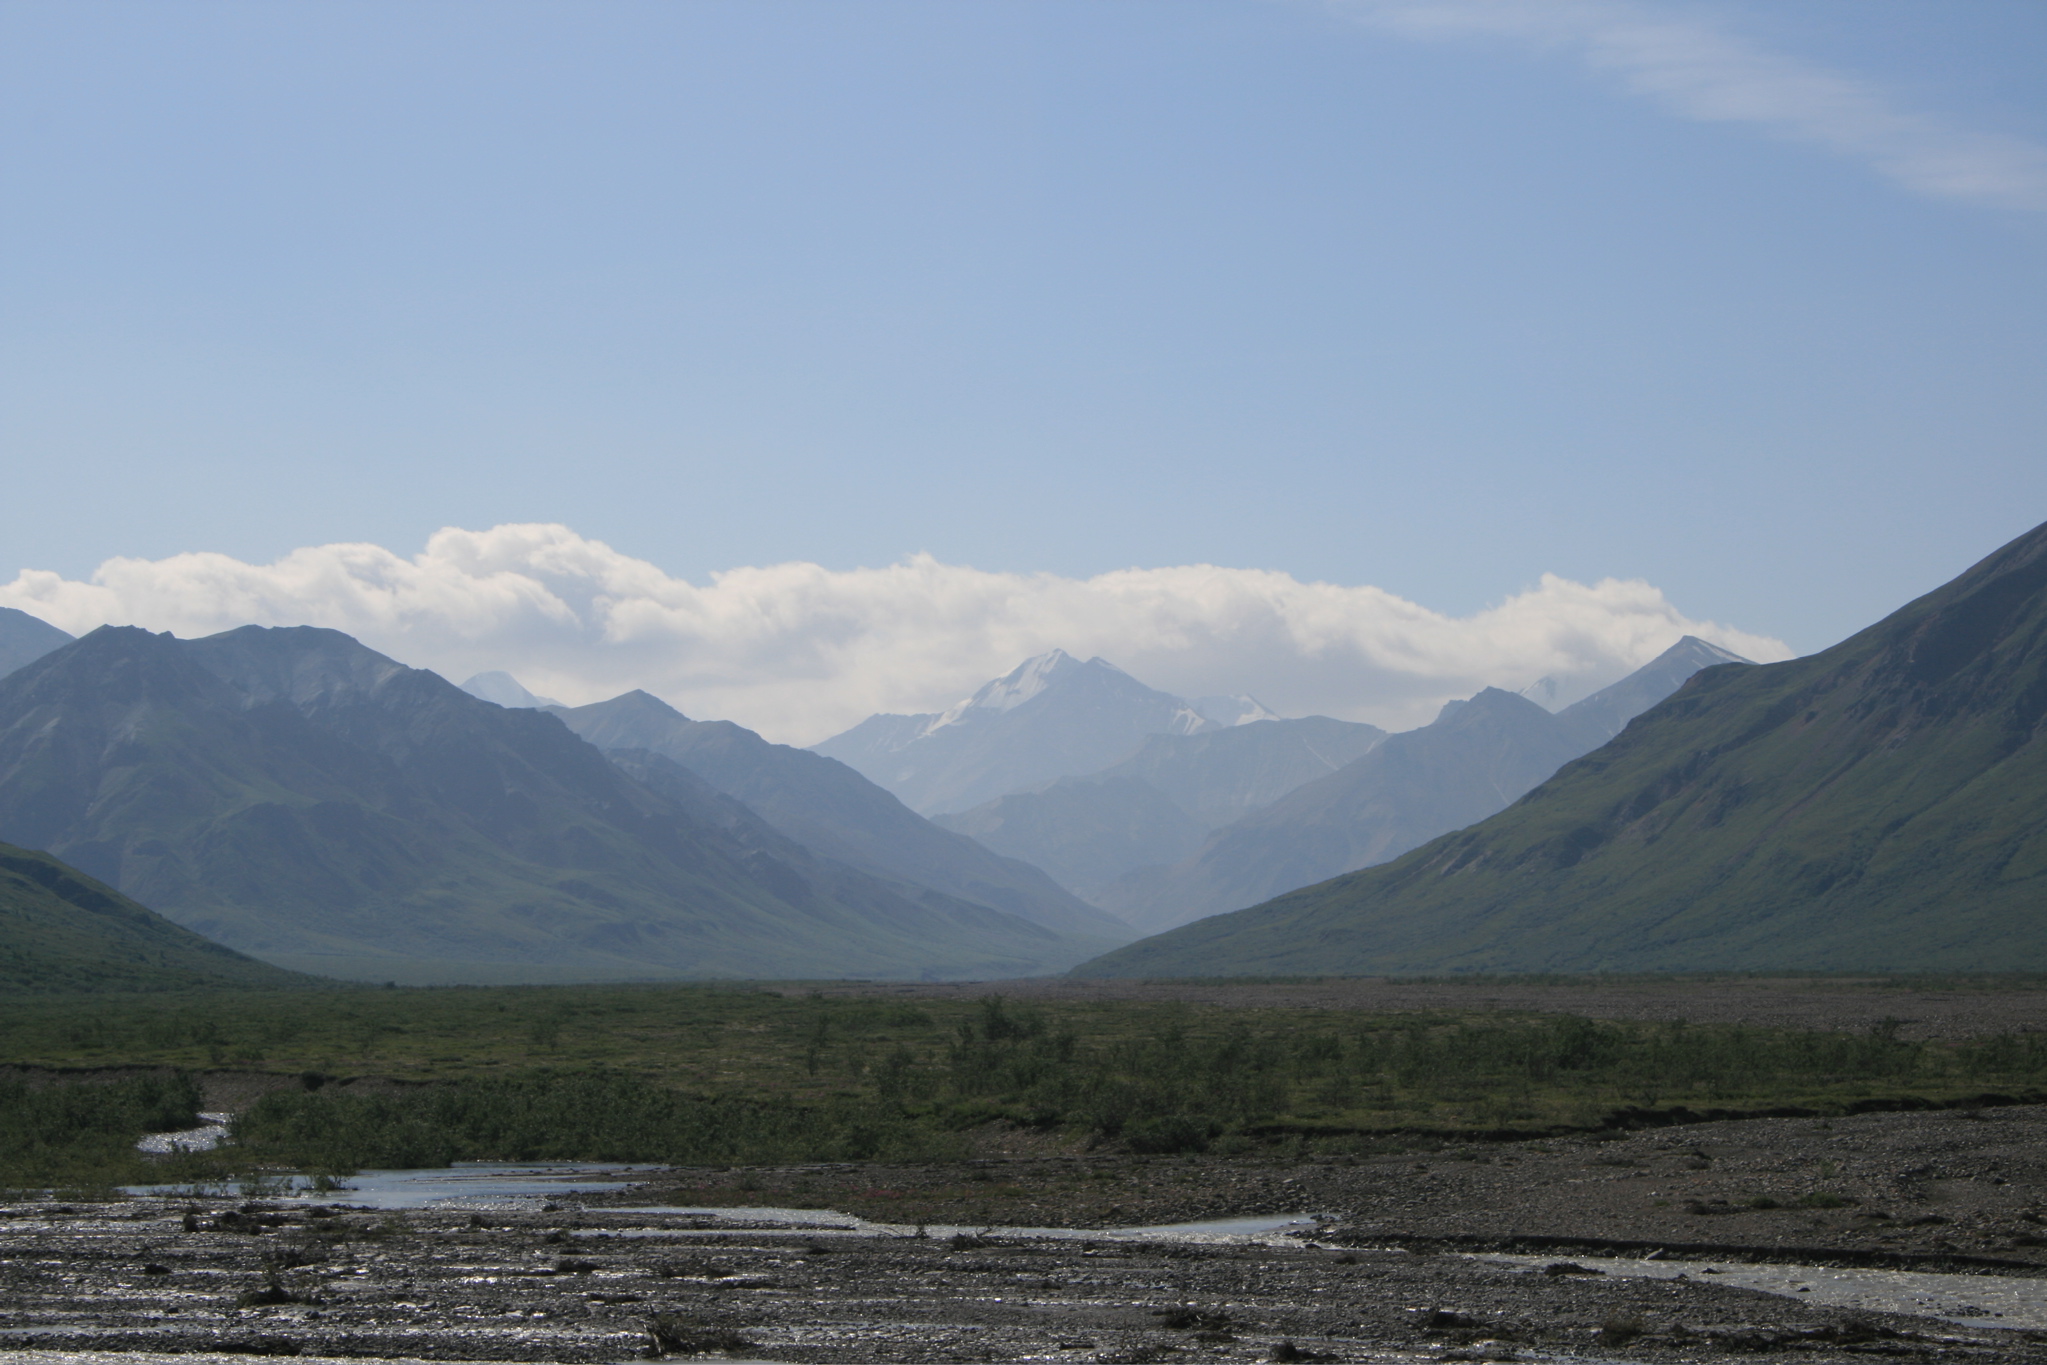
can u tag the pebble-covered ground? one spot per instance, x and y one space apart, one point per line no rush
575 1286
1387 1276
1913 1188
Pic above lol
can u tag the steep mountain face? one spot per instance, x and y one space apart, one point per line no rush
1879 805
1052 717
25 638
306 800
1474 760
1156 806
832 810
62 931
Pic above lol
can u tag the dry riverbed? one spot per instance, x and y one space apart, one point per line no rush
1455 1254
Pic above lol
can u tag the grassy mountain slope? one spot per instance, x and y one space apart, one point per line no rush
306 800
1882 804
836 813
61 931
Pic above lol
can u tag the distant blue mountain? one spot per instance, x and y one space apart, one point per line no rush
25 638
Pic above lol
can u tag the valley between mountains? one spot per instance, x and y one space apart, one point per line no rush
303 801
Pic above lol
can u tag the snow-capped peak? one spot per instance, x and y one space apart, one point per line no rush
1015 687
1023 682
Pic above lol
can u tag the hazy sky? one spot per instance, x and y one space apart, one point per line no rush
1740 300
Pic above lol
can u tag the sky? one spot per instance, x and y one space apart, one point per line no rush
797 360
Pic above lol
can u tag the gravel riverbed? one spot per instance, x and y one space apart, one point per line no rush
1506 1251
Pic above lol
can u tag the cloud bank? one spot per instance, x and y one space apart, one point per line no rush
800 652
1697 69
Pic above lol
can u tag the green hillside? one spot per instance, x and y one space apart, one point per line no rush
61 931
1882 804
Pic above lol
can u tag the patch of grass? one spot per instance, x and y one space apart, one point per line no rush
1823 1199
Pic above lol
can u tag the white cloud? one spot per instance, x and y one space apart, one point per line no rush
800 652
1696 68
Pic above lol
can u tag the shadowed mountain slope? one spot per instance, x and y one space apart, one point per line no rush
1879 805
304 799
1474 760
62 931
1052 716
25 638
835 812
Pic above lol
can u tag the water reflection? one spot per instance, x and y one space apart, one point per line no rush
510 1186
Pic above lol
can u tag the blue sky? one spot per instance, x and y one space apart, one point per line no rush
1357 293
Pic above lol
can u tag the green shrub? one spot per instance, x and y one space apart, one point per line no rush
565 1116
84 1131
1823 1199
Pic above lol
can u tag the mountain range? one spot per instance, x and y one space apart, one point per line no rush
1880 805
1052 716
1156 806
296 796
1476 758
834 811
